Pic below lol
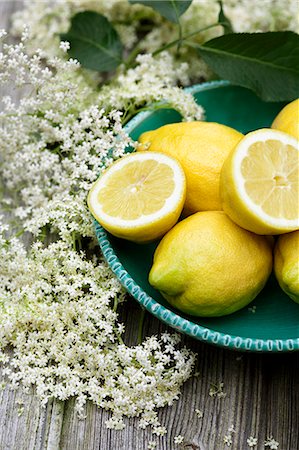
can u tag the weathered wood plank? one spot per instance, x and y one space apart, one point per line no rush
262 398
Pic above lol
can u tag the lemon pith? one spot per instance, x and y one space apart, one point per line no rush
201 148
259 182
206 265
139 197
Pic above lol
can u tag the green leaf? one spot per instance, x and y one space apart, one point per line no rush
224 20
94 42
267 63
170 9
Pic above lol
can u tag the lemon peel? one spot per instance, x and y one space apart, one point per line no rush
201 148
206 265
286 264
287 119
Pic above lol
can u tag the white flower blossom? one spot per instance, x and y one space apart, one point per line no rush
178 439
65 46
56 311
228 438
58 304
199 413
251 441
271 443
2 33
216 390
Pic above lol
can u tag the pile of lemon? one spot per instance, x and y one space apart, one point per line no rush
234 193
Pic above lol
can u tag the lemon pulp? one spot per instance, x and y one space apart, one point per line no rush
140 188
259 183
139 197
271 175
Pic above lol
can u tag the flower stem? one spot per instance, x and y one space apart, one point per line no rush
183 38
115 303
132 56
74 241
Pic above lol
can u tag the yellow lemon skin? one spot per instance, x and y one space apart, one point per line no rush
146 233
288 119
206 265
286 264
201 148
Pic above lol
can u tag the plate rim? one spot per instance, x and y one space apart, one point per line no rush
164 314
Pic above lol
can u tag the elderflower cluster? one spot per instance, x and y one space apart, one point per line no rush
275 15
153 80
58 304
58 139
56 312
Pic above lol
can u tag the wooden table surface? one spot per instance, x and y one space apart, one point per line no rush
262 397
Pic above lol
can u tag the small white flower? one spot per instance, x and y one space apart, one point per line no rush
231 429
199 413
64 46
216 390
252 441
159 430
271 443
2 33
227 440
179 439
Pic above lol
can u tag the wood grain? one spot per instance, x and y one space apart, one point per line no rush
262 398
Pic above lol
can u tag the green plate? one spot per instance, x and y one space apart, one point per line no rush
274 326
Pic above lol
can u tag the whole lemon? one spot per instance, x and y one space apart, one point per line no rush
206 265
286 264
288 119
201 148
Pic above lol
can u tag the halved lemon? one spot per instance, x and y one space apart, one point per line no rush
259 182
140 196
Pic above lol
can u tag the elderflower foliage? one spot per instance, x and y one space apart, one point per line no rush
47 19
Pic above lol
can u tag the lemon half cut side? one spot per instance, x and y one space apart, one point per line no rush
140 196
259 182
